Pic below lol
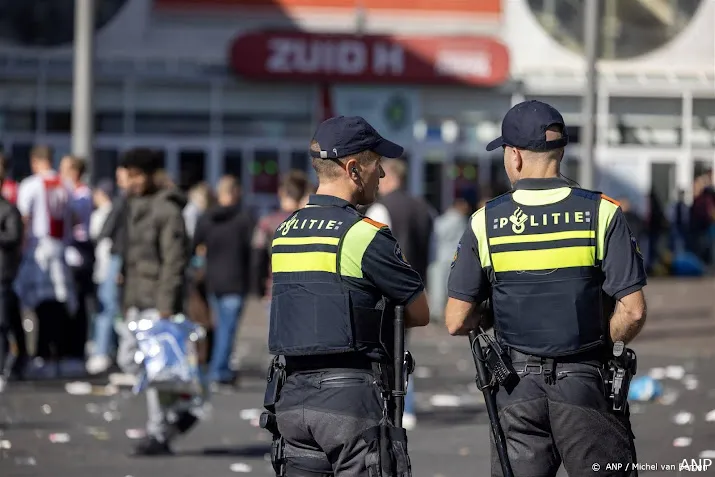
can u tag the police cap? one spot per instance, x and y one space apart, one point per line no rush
347 135
525 125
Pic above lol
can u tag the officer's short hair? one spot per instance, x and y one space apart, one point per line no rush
295 185
331 168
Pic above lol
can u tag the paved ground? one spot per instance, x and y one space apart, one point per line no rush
449 441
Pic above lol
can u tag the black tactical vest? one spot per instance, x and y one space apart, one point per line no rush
314 311
545 275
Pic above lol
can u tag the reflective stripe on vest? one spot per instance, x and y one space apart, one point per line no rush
319 254
542 251
312 310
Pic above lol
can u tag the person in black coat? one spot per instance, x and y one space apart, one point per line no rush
11 234
223 234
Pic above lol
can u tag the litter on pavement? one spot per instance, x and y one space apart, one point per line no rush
683 418
707 454
690 382
710 417
682 442
59 438
250 414
644 389
657 373
46 409
135 433
240 467
5 444
78 388
445 400
29 461
675 372
669 397
423 372
98 433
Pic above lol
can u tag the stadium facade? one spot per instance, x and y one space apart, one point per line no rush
236 86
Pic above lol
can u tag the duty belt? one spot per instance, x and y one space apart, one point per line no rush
305 364
530 364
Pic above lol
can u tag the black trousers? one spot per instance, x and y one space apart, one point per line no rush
52 333
322 415
78 324
10 324
569 422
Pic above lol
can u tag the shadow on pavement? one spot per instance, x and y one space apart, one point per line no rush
258 450
452 417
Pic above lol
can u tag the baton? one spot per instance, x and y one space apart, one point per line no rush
399 364
490 401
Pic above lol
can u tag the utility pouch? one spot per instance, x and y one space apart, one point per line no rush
387 451
274 381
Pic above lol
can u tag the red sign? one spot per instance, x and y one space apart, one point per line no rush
488 7
300 56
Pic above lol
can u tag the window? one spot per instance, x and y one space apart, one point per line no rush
300 160
104 165
20 161
264 171
192 165
466 180
16 120
233 163
59 121
109 122
433 184
179 124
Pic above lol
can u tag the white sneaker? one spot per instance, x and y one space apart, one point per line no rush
409 421
98 364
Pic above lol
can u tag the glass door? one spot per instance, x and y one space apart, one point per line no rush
192 168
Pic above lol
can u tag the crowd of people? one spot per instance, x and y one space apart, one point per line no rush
80 257
678 237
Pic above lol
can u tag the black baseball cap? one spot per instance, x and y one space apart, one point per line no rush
525 125
346 135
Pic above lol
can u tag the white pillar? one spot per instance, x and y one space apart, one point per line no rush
686 164
83 82
588 129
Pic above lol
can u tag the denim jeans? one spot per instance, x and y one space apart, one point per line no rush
226 310
108 296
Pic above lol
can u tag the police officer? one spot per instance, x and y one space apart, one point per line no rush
565 278
337 276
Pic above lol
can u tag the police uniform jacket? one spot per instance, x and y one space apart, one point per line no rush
337 276
553 259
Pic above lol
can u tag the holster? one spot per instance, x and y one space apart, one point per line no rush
387 444
274 382
387 451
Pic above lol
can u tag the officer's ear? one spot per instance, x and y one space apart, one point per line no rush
351 166
516 158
